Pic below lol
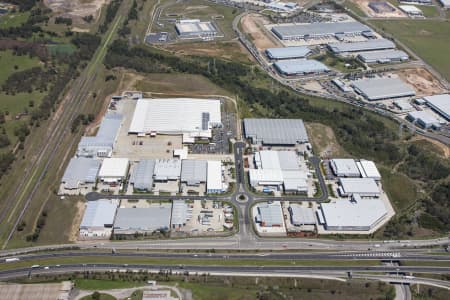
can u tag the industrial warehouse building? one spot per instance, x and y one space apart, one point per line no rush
300 67
193 172
288 52
278 169
270 215
382 88
180 214
167 169
369 45
368 169
102 144
80 171
194 28
364 187
98 219
350 215
347 167
301 215
424 119
383 57
142 175
411 10
319 30
190 117
404 106
344 167
143 220
214 183
440 104
114 170
286 132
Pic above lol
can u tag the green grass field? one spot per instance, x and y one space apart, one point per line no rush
401 190
427 38
428 11
13 19
102 297
10 63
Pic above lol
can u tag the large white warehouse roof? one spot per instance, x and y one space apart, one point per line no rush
440 103
383 88
116 168
214 176
360 186
175 116
352 215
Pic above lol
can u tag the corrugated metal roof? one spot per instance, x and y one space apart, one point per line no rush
344 167
179 212
193 171
362 186
351 215
322 28
300 66
174 115
288 52
143 219
370 169
440 103
383 55
383 88
214 176
105 137
142 176
80 170
99 213
301 215
376 44
276 131
114 167
271 214
167 169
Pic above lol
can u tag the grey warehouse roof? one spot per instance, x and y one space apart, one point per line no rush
142 176
271 214
99 213
383 88
106 134
80 170
329 28
301 215
440 103
179 212
275 131
288 52
193 171
377 44
361 186
300 66
143 219
383 55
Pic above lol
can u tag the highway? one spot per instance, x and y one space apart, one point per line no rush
401 255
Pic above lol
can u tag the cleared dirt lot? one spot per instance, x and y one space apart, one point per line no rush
324 141
253 25
227 50
364 5
76 8
423 81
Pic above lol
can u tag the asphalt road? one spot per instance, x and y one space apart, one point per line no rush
331 256
288 271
